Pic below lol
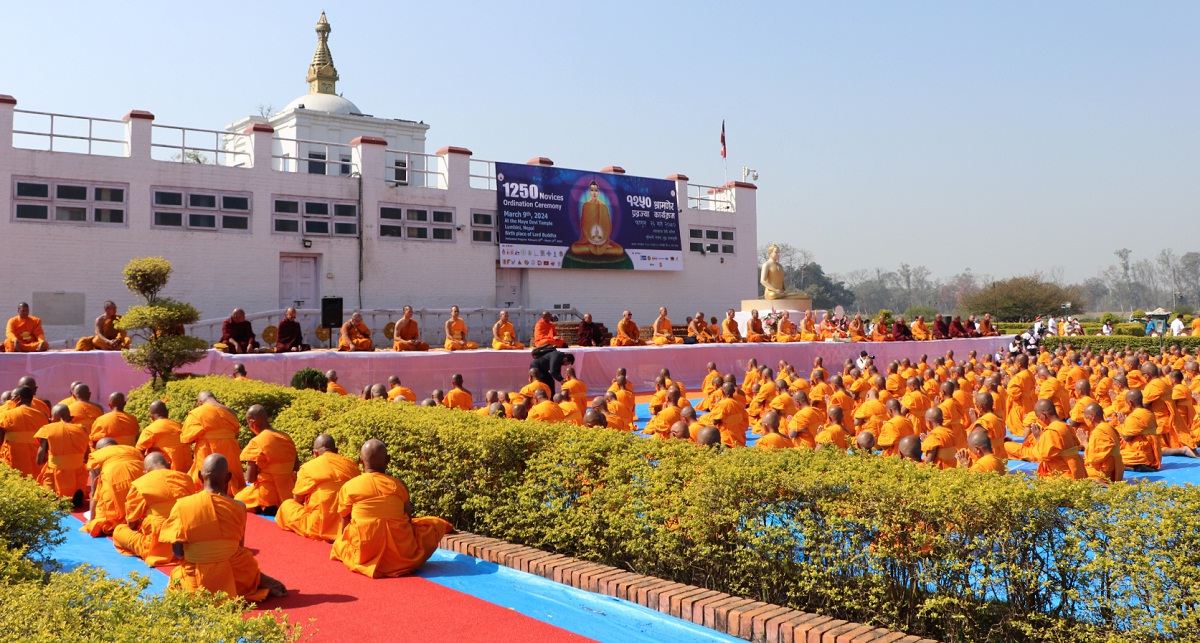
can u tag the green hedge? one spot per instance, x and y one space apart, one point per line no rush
86 604
947 555
1119 342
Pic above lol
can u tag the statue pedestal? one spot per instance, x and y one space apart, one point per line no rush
764 306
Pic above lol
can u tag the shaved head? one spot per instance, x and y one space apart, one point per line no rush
709 436
909 447
158 409
60 413
374 456
105 442
325 443
979 439
215 475
155 461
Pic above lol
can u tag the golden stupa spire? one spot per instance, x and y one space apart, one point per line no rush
322 75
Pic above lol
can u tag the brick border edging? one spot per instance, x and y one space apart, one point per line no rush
737 616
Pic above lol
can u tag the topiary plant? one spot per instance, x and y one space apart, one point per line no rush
159 323
309 378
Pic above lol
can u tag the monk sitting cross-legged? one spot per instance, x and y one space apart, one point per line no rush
107 337
456 333
729 329
663 334
83 409
147 506
116 424
271 465
628 333
62 451
207 532
754 329
355 335
312 512
406 334
504 336
24 333
18 446
163 435
698 329
213 428
380 538
544 332
111 467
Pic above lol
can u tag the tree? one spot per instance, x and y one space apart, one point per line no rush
1021 299
159 322
802 273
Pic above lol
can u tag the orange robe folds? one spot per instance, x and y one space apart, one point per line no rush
1058 452
117 425
355 337
890 434
628 334
577 390
65 472
19 450
754 331
23 335
665 333
774 441
857 331
381 539
404 337
275 455
729 331
506 338
990 464
150 500
84 413
595 226
212 528
1103 455
455 339
119 466
457 398
920 331
1139 445
163 435
214 430
401 391
544 333
334 387
317 484
941 442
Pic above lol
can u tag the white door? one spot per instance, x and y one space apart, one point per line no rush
510 292
298 281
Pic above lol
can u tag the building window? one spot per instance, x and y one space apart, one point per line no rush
401 171
711 241
186 209
78 202
317 165
483 227
293 215
421 224
345 165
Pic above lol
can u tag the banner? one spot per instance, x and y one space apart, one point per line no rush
556 218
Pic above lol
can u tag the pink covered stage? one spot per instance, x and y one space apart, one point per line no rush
106 372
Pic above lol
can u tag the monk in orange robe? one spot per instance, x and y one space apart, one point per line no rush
880 332
544 409
857 330
456 333
664 334
458 397
355 335
213 428
18 426
595 227
312 512
754 329
806 423
396 390
772 438
978 457
111 468
62 452
504 337
207 532
163 435
1140 450
332 386
808 327
1057 449
920 330
1102 457
699 330
150 500
544 332
575 387
535 384
379 537
271 465
106 337
834 434
896 428
986 419
23 333
83 410
730 417
786 330
116 424
406 334
730 334
985 326
1022 393
939 446
628 333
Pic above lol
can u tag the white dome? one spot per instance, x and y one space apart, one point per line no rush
328 103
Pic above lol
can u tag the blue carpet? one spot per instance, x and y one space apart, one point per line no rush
80 549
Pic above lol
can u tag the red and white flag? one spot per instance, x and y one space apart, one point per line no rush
722 138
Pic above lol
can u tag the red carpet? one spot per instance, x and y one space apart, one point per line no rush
352 607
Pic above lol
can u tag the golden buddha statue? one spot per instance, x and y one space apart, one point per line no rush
771 279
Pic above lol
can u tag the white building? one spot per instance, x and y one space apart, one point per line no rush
318 200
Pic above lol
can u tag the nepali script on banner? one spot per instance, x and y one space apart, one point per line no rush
557 218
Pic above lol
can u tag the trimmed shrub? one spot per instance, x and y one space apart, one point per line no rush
310 378
1119 342
30 515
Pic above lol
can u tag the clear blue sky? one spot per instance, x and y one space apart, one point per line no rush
930 133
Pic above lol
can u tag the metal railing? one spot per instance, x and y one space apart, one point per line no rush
65 133
199 146
297 155
413 169
708 197
483 174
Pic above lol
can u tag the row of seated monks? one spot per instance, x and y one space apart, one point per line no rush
177 494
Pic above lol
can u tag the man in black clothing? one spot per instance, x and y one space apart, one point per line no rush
549 365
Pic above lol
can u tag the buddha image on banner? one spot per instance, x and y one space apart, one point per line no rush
558 218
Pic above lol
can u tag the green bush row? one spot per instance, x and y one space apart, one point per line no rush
1151 344
947 555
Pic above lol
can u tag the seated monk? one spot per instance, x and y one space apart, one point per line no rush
730 334
1102 457
107 337
239 372
271 465
956 330
504 337
83 409
544 409
289 338
355 335
396 391
456 333
379 537
985 328
207 532
880 332
939 446
663 332
312 511
150 500
941 330
458 397
786 329
544 332
62 452
857 330
18 426
771 437
978 457
754 329
970 327
588 334
162 435
213 428
901 331
406 334
573 387
808 327
237 335
535 384
595 226
1057 445
111 469
920 331
116 424
24 333
698 330
827 329
332 386
628 333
